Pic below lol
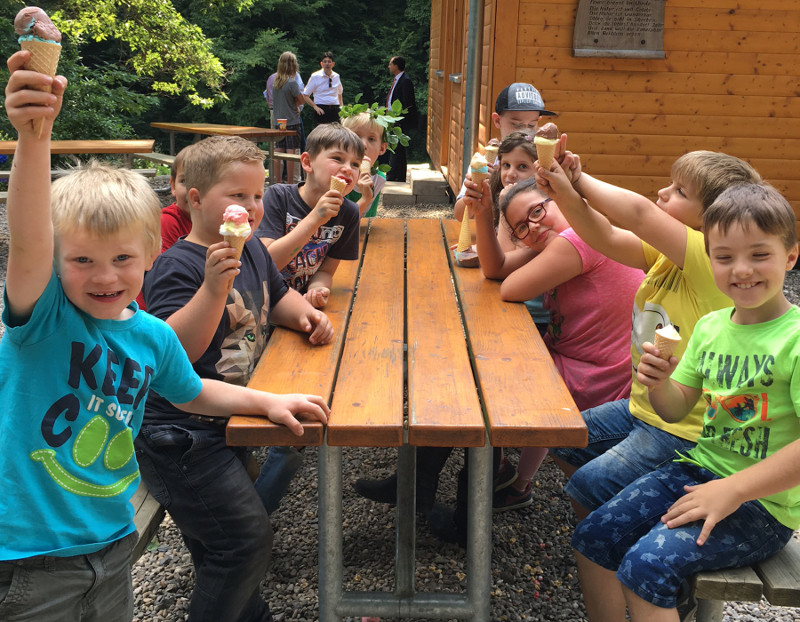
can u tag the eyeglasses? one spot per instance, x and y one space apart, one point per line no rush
535 214
330 82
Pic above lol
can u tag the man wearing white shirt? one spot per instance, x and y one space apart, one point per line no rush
326 87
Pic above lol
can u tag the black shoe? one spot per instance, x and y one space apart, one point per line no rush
385 491
379 490
441 522
687 603
505 476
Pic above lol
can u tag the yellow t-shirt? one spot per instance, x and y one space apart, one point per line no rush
669 295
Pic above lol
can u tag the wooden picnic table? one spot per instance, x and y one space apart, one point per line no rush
256 134
425 354
79 147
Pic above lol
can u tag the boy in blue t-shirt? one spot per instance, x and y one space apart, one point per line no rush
76 363
220 307
733 499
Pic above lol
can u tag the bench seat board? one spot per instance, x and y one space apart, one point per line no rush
63 147
287 369
516 402
148 515
781 576
441 409
738 584
371 411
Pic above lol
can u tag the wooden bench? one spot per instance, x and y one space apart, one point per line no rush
158 158
124 147
777 579
148 516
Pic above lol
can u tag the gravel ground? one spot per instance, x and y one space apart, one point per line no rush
533 576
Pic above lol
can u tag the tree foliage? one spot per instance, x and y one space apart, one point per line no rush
130 62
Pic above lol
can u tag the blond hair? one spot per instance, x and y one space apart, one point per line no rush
711 172
287 68
363 120
103 200
206 161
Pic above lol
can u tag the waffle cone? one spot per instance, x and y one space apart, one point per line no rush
465 235
491 152
236 242
546 151
665 346
478 177
337 183
44 59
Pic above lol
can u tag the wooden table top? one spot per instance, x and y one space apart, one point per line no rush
62 147
211 129
425 353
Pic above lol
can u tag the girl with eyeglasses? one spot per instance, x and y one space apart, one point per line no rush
588 295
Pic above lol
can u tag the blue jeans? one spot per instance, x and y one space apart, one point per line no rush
277 472
626 535
621 448
204 486
82 588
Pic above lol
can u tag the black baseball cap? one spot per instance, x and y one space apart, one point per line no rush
520 96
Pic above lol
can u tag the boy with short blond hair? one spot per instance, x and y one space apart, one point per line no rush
734 499
176 220
77 361
309 228
367 193
220 307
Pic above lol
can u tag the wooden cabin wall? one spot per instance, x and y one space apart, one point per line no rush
729 82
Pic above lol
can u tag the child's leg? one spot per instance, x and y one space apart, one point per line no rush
602 591
93 588
642 611
204 486
277 472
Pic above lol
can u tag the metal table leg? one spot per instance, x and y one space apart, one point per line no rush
330 531
479 532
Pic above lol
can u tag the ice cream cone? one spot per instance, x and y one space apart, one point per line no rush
236 242
44 59
478 178
337 183
666 340
546 150
366 166
465 235
491 152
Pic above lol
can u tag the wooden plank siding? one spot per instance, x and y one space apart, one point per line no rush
730 82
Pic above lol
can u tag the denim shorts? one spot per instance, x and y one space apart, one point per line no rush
621 448
626 535
94 586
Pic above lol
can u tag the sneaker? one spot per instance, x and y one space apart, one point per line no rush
505 476
510 498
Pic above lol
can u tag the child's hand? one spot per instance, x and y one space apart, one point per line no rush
221 268
554 183
285 409
318 297
364 184
710 502
320 327
24 102
653 370
328 205
571 163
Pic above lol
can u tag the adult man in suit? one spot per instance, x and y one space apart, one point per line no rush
402 89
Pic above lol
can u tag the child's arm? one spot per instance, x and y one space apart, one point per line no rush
30 248
365 187
220 399
285 248
671 400
593 227
713 501
295 312
319 285
196 322
637 214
